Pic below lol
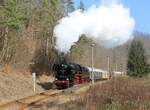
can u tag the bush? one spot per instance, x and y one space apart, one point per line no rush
116 94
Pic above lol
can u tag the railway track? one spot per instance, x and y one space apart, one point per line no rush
34 102
27 102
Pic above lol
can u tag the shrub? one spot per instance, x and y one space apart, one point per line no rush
116 94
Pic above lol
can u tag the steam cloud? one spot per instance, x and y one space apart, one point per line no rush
109 25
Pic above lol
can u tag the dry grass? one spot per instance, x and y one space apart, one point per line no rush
116 94
18 84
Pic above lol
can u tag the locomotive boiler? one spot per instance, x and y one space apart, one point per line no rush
69 74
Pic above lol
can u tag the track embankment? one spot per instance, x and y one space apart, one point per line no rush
27 102
48 100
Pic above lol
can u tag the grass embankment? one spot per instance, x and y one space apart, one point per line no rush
116 94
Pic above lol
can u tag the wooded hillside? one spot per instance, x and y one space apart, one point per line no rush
81 53
26 32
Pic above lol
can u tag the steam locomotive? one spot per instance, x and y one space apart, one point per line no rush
69 74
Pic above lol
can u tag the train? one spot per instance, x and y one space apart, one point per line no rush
69 74
100 74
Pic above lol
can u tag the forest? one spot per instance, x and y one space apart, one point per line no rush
26 32
27 40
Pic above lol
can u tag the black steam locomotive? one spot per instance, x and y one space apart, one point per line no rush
68 74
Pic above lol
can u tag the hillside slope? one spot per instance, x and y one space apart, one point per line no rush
81 53
18 85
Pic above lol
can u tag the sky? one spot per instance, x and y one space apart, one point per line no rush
139 10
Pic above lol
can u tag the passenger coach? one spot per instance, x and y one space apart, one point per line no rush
98 74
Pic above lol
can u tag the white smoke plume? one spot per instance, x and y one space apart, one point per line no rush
109 25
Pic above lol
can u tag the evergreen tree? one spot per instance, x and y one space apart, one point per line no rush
137 60
68 6
81 5
11 14
11 20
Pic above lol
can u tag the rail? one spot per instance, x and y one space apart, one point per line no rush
25 103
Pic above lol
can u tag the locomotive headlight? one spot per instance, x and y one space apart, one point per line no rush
67 79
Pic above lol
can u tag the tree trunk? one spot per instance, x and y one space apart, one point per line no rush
4 52
47 46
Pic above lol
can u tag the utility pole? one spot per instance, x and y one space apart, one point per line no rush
108 66
92 63
34 80
116 67
121 67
